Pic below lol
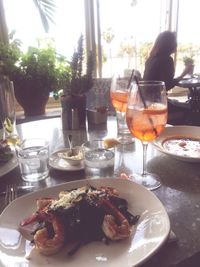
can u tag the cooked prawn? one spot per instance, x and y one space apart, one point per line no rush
43 203
47 245
109 190
115 226
40 214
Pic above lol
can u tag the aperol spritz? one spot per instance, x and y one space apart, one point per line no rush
119 97
146 118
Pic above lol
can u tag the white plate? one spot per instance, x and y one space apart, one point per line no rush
61 164
147 237
8 166
178 131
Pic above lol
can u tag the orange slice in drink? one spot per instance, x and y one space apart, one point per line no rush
155 109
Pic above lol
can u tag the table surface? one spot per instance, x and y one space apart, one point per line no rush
179 193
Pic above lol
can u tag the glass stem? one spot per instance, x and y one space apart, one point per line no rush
121 123
144 169
122 161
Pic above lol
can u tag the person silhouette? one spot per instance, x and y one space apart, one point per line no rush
160 66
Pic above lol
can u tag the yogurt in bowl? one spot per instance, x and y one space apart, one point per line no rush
73 157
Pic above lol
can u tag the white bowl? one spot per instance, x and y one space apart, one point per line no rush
76 158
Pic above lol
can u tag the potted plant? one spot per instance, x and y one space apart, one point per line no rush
35 74
73 98
189 62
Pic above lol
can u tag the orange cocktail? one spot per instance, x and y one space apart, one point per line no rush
147 123
146 118
119 91
119 100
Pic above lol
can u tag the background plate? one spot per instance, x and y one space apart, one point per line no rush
8 166
146 238
177 131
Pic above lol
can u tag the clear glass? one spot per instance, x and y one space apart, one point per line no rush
7 111
32 155
98 160
146 118
122 164
119 91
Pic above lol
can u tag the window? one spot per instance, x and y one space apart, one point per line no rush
23 17
128 30
188 36
121 32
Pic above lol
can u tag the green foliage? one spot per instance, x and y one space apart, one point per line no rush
45 70
144 50
44 67
188 60
39 68
108 35
80 78
9 55
187 51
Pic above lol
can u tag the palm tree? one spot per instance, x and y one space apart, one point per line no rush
46 9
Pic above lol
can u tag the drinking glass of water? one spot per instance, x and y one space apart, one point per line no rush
32 155
98 161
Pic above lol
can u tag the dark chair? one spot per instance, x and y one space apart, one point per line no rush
194 104
178 112
187 113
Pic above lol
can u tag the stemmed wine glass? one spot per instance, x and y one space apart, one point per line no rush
119 91
146 118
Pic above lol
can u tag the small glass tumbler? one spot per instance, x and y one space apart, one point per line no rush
98 161
33 155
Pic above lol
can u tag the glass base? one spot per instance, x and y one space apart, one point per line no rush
150 180
35 177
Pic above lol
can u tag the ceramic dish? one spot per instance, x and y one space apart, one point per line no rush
73 156
8 166
148 235
178 133
58 163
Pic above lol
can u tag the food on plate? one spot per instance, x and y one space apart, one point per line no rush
73 157
65 155
5 151
81 215
183 146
